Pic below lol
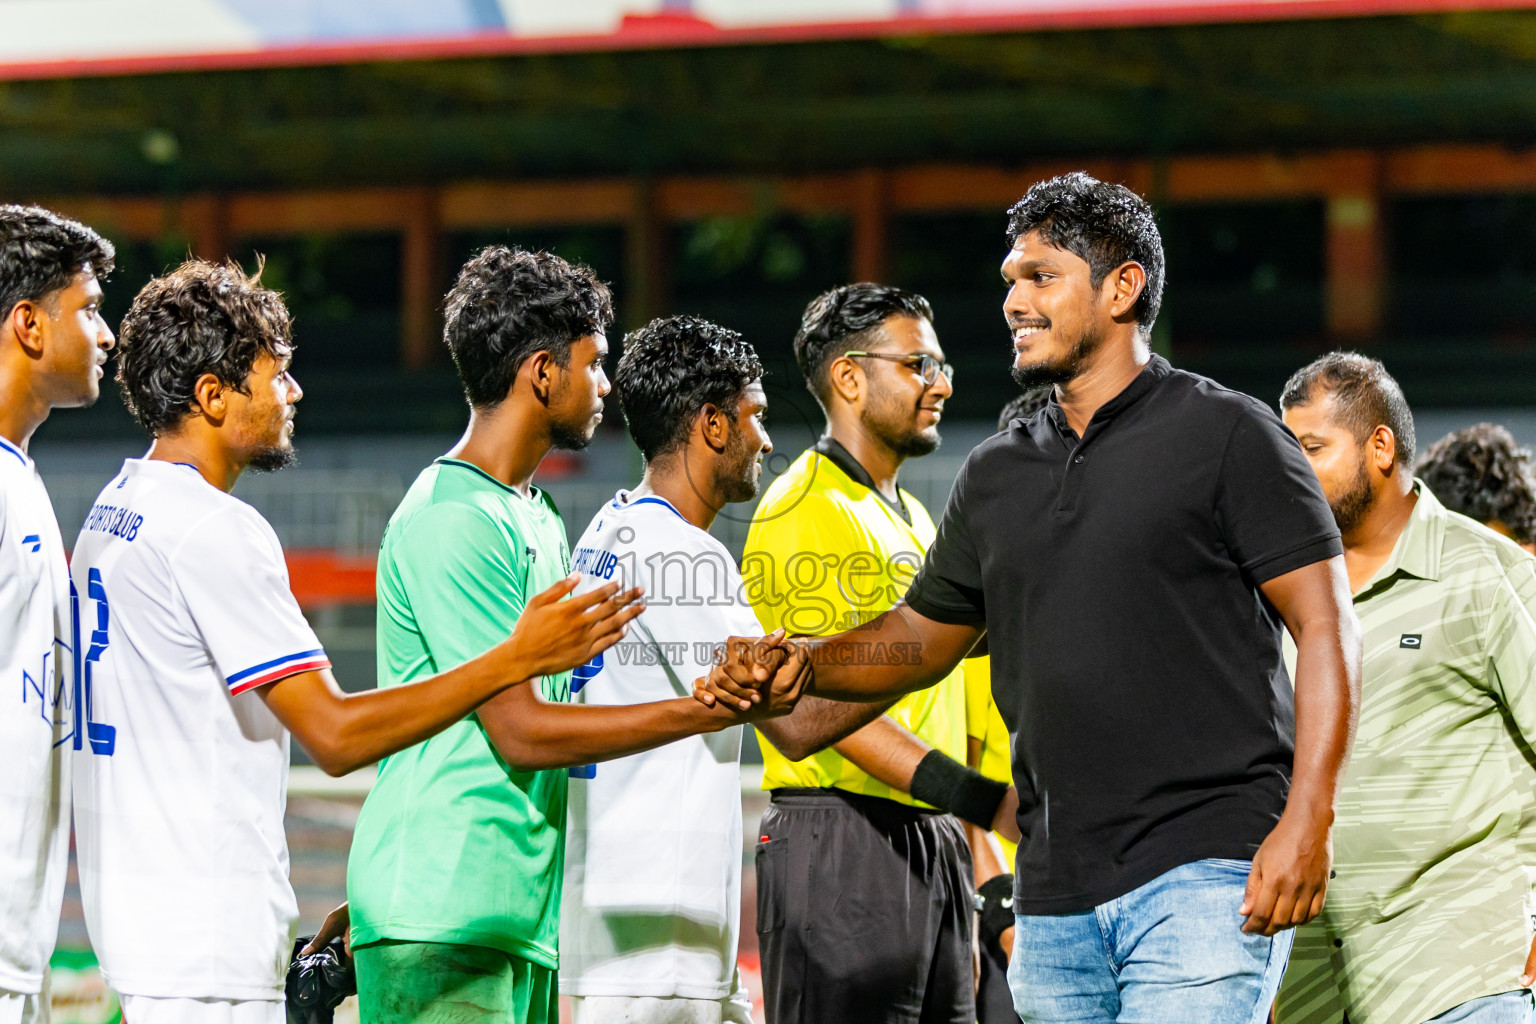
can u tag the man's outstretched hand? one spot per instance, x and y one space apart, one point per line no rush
556 632
761 677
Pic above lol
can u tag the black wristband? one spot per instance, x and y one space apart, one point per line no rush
995 907
947 784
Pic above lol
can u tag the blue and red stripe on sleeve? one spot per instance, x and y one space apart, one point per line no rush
277 668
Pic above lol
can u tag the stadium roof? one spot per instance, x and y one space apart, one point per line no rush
886 95
53 38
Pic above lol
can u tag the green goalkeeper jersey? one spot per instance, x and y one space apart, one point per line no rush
453 845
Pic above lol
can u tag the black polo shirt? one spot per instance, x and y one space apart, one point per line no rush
1134 658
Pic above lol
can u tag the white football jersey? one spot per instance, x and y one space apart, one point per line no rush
36 723
185 608
652 898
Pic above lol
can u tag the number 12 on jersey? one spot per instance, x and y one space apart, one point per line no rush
103 737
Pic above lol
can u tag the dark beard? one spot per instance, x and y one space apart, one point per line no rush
270 460
913 445
563 438
1351 507
738 480
1063 372
904 441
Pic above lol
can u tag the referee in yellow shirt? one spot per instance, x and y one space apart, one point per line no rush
865 905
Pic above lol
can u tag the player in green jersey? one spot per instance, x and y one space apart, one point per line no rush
455 873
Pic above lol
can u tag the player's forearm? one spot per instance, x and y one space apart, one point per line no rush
986 859
817 724
890 656
1327 706
533 734
346 731
886 752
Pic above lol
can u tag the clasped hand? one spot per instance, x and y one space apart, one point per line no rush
758 676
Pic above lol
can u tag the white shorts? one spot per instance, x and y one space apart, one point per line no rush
156 1010
24 1008
651 1010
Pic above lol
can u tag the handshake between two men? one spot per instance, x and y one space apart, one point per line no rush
842 684
914 652
750 671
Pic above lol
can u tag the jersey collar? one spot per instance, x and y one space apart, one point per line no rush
533 490
7 447
1156 370
622 500
833 450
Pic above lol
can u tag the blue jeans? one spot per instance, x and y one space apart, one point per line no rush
1171 952
1504 1008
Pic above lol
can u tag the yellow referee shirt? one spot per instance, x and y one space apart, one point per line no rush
827 552
984 724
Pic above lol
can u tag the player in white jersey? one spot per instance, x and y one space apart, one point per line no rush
652 904
198 661
53 343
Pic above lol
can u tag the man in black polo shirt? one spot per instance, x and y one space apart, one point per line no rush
1131 552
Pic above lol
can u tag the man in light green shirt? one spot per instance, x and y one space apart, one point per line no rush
455 873
1428 917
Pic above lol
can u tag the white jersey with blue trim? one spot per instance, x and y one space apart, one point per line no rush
36 723
185 609
652 896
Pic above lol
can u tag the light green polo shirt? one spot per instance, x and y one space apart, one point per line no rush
1435 821
454 845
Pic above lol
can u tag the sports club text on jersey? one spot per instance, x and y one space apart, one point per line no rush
680 576
119 522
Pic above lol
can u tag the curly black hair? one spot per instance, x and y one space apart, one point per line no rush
41 252
1104 225
670 369
508 304
1365 396
1024 406
845 318
200 318
1481 472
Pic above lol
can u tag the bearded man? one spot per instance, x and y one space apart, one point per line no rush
834 543
1427 918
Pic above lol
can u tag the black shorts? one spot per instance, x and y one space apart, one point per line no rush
994 1002
864 912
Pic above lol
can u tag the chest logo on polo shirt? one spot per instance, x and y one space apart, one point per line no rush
33 541
1413 640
